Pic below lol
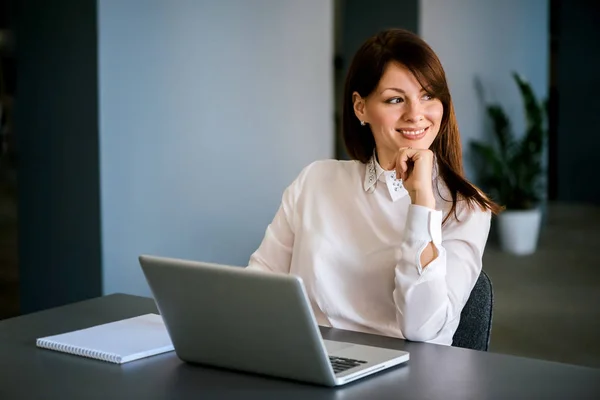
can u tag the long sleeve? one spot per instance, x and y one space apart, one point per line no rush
429 301
275 251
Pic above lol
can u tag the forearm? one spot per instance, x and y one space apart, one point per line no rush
425 199
429 300
421 297
429 254
422 301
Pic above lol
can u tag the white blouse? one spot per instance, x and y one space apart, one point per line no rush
350 232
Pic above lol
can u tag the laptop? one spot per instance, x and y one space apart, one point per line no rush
253 321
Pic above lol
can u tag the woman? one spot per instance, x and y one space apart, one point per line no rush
391 242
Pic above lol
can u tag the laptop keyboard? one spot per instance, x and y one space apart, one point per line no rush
340 364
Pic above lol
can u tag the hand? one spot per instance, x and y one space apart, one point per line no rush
415 168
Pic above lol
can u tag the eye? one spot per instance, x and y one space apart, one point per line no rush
395 100
428 97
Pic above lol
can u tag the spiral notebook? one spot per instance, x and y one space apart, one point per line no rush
117 342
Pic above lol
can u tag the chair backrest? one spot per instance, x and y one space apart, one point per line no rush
475 326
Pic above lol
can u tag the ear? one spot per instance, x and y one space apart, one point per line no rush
359 107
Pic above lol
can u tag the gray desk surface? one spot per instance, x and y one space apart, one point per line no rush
434 372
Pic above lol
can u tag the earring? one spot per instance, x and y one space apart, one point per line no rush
362 123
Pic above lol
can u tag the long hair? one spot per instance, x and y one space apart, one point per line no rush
366 69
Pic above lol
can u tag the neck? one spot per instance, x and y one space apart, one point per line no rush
386 159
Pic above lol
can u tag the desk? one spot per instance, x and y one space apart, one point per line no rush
434 372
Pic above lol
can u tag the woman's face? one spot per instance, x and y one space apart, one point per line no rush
400 113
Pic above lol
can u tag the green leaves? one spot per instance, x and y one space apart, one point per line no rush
501 128
510 169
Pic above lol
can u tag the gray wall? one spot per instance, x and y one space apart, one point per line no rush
208 110
578 85
486 40
57 143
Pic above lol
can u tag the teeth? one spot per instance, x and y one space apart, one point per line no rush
413 133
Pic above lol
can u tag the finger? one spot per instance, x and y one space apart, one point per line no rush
402 162
398 169
400 165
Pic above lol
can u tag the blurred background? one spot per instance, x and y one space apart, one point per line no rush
173 127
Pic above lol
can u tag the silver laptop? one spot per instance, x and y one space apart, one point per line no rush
253 321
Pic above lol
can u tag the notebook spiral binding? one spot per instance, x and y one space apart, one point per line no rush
79 351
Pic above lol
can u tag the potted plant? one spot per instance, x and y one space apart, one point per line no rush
513 171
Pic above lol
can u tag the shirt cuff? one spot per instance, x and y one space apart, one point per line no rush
424 224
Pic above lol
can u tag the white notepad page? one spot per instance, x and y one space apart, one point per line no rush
118 342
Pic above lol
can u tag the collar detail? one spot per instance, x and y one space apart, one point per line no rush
374 173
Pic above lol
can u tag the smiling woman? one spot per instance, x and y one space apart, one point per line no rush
391 242
400 112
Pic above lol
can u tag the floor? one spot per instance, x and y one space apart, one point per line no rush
547 305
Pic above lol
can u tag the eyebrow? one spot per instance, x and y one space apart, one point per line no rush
399 90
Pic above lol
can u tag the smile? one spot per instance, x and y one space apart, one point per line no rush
413 134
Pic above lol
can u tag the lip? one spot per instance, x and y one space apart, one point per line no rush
413 136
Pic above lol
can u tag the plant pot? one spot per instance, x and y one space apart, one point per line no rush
518 230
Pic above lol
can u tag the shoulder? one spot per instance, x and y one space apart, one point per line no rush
328 170
322 176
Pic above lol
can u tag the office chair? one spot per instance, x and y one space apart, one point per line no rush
475 326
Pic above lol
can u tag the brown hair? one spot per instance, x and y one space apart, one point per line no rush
408 49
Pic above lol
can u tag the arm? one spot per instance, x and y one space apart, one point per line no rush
429 253
275 251
427 299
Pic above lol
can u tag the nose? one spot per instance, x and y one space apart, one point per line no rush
413 112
